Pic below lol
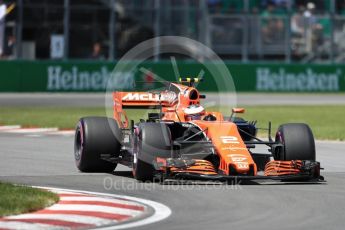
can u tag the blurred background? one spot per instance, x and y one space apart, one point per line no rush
286 57
303 31
268 45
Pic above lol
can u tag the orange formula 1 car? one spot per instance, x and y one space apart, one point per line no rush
183 141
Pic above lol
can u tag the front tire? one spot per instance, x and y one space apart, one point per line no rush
96 136
152 140
298 142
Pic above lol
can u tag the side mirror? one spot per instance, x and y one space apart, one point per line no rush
238 110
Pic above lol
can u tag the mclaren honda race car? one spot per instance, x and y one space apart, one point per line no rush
183 141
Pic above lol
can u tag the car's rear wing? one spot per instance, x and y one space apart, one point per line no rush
144 99
149 100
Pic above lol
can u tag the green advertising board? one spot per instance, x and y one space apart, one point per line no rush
83 76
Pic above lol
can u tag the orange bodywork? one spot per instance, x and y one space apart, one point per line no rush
200 167
235 158
229 146
173 103
278 168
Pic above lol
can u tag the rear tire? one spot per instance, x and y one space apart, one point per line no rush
298 142
152 141
95 136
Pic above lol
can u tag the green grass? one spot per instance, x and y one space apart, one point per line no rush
21 199
62 117
327 122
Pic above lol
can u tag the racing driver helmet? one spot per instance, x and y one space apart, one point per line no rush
194 112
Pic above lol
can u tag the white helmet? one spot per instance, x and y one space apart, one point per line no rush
194 111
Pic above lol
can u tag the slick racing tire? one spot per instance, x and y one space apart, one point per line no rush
151 141
298 142
96 137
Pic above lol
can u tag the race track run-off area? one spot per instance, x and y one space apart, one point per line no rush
42 159
80 210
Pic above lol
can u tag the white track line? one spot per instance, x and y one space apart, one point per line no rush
35 131
9 127
88 198
63 132
32 130
161 211
94 208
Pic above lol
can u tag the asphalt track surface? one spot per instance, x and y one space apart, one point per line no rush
98 99
48 161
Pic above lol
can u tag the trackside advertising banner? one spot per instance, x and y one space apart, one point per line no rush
78 76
